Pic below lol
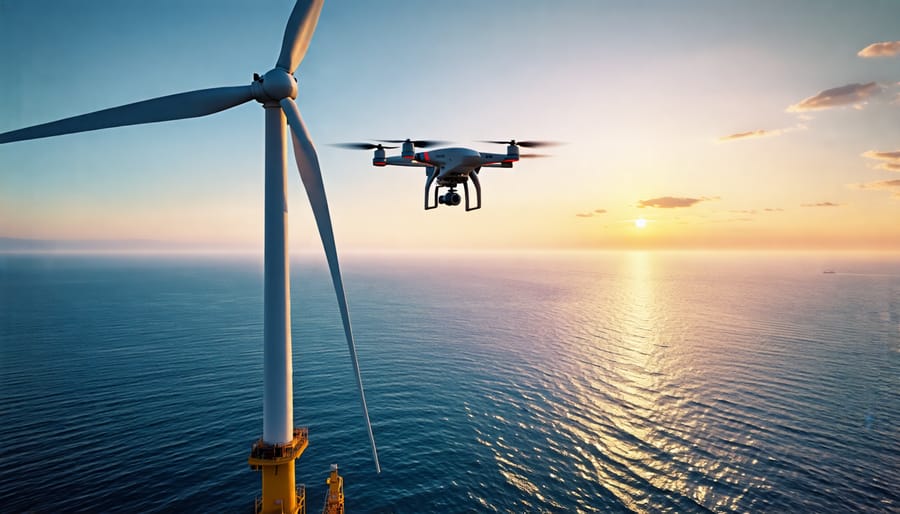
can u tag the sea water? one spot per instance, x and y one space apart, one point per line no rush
509 382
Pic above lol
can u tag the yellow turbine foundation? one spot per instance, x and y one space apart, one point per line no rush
280 494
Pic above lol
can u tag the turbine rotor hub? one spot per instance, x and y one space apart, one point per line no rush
275 85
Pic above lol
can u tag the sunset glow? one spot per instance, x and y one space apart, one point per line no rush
754 126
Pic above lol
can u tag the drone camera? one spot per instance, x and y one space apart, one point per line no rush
451 198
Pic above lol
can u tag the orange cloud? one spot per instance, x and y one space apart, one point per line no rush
883 185
671 202
886 156
892 159
821 204
851 94
591 214
883 49
751 134
755 211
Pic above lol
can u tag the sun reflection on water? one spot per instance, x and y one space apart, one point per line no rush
638 435
640 384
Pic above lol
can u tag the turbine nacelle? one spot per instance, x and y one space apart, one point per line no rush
274 86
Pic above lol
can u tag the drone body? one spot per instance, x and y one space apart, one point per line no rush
448 167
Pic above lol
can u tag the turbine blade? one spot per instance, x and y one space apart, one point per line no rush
299 31
164 108
311 175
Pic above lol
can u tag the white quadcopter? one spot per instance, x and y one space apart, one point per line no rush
450 167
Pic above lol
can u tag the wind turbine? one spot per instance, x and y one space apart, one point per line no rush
281 443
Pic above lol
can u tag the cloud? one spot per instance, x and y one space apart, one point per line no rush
591 214
892 159
821 204
755 211
671 202
743 219
881 184
752 212
883 49
884 156
754 134
851 94
751 134
892 185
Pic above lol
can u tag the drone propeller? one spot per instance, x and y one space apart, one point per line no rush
418 143
362 146
533 155
523 144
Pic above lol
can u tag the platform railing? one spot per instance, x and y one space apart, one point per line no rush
301 501
263 450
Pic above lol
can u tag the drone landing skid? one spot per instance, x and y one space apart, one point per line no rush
477 184
451 198
431 176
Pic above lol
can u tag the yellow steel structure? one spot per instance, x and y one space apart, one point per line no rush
280 494
334 500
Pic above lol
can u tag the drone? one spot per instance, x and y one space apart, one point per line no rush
448 167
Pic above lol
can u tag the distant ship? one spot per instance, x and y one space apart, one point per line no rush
829 271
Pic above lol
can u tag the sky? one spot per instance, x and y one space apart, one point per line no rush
722 124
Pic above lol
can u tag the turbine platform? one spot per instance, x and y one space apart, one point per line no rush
280 494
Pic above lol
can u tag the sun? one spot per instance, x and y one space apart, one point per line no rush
640 223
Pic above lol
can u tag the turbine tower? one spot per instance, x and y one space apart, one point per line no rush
281 443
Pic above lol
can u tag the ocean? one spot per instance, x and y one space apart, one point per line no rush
507 382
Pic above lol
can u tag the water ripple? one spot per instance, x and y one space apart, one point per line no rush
592 383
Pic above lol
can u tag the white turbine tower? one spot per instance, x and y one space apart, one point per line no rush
281 444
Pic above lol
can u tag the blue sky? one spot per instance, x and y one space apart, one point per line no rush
640 91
